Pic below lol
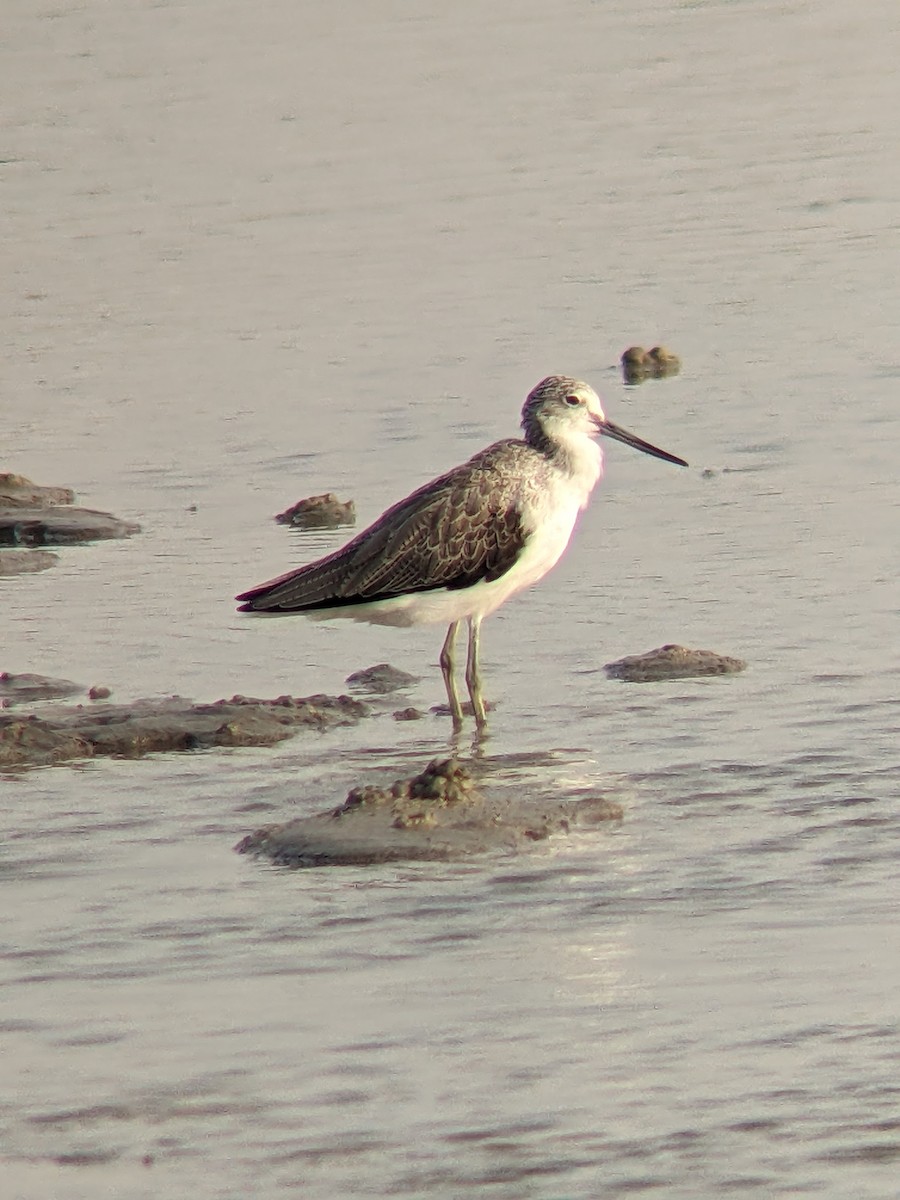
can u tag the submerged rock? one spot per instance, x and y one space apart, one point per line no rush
32 515
408 714
60 526
24 562
440 814
381 679
25 688
148 726
319 512
672 662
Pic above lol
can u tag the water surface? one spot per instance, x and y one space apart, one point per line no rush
258 253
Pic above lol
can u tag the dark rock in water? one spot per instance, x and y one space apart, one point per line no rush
25 688
99 692
639 364
634 356
24 562
663 362
147 726
60 526
408 714
17 491
672 662
31 515
440 814
634 365
319 512
381 679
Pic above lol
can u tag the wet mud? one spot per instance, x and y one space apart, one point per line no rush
25 562
672 662
26 688
443 813
62 734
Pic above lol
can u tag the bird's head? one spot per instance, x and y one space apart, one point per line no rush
561 411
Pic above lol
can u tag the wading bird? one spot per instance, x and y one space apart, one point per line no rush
458 547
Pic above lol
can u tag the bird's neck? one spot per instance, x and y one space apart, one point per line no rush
579 459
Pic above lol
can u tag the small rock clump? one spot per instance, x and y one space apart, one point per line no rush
672 662
381 679
441 783
408 714
18 492
639 364
319 512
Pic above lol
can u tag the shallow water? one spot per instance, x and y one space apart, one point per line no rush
256 254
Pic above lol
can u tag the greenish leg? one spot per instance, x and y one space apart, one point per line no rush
447 664
473 672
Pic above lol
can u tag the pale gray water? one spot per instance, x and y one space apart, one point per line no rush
256 252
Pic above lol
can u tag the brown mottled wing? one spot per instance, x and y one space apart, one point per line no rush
461 528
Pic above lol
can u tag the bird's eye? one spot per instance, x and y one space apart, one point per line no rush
573 401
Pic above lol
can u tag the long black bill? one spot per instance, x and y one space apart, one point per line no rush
608 429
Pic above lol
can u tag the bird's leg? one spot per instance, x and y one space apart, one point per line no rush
447 663
473 674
